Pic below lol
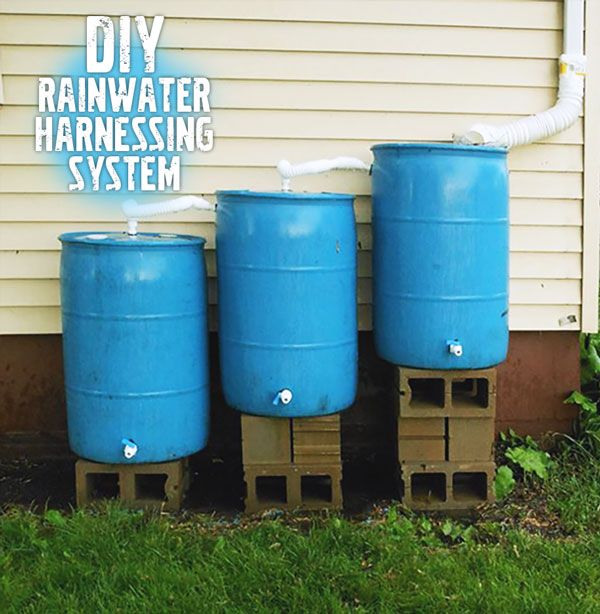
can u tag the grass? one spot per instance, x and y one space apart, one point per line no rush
113 560
573 493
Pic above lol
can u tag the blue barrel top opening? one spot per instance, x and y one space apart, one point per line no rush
440 255
286 265
135 345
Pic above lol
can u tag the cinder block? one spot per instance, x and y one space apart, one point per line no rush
317 440
470 439
447 485
421 427
330 422
292 486
472 393
146 486
266 440
427 393
421 449
283 441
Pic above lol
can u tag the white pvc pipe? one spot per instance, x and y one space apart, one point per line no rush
573 24
569 103
287 171
135 211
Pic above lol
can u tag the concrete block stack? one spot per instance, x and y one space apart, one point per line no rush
445 437
292 463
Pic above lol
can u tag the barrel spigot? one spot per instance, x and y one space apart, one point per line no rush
130 448
455 347
284 396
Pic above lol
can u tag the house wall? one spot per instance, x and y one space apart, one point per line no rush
300 80
541 370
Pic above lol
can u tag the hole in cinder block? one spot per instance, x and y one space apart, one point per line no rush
471 392
271 489
316 488
150 486
426 392
467 486
103 485
428 487
401 488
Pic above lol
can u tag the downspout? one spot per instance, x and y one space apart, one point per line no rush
569 103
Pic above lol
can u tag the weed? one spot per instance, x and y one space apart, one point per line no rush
505 481
587 426
531 460
589 352
457 533
525 461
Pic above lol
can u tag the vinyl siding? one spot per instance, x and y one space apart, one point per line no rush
301 80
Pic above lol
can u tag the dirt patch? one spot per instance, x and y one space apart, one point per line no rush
38 483
218 490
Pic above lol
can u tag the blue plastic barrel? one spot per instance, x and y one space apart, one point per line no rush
135 345
440 255
286 266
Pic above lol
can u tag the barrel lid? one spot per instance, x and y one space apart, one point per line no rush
285 195
122 239
447 146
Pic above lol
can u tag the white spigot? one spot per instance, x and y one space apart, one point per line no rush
130 448
284 396
455 348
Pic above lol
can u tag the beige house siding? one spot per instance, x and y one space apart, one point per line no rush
300 80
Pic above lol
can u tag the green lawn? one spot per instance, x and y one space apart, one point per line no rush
113 560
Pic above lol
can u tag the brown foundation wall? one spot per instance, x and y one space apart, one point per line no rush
541 370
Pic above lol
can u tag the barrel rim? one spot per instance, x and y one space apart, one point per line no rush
287 195
87 238
448 146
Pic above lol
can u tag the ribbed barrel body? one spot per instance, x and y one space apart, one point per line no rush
440 255
135 345
286 265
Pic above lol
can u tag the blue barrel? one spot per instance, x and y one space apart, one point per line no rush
440 255
135 345
286 266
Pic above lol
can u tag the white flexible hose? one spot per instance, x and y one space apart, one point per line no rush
569 102
135 211
541 125
287 171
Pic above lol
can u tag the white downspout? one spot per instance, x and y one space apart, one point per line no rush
570 94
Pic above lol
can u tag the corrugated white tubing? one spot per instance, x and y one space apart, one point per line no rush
542 125
569 101
288 171
135 211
